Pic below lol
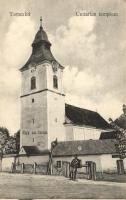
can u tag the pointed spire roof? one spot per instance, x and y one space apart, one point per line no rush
41 35
41 21
40 49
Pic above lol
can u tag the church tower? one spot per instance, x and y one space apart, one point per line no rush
42 96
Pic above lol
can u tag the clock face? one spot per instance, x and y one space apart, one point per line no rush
32 67
55 66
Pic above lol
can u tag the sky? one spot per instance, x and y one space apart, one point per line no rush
91 48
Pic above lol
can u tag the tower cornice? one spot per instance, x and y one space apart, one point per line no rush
39 91
27 67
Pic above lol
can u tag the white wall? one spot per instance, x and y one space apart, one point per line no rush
55 107
0 165
109 163
81 133
69 133
7 163
94 158
47 111
56 117
32 159
59 74
124 164
34 133
41 79
103 162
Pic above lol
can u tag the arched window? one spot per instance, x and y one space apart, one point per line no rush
55 81
33 83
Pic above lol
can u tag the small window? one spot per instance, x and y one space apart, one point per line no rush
58 164
33 139
33 121
33 100
55 81
33 83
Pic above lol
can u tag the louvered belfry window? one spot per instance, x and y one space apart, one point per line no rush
55 81
33 83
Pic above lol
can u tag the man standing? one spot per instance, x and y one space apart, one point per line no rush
73 167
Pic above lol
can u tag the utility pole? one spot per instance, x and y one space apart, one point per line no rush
50 165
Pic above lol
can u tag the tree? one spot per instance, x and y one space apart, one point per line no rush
10 146
121 121
4 136
120 126
17 138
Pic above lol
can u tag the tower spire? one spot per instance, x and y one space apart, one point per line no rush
41 22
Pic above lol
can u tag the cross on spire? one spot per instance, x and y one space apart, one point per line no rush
41 22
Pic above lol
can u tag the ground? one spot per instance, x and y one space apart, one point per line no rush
114 177
26 186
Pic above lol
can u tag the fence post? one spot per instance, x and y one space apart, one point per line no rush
120 166
22 168
68 169
91 170
87 173
94 171
34 168
12 168
0 163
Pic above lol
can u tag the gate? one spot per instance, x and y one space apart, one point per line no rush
66 168
120 166
91 170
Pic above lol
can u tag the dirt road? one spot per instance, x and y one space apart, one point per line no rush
18 186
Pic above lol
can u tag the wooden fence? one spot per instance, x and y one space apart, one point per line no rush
64 170
31 168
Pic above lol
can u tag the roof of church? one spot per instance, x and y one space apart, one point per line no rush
85 147
34 150
40 36
80 116
41 50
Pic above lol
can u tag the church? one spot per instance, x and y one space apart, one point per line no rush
44 114
45 117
